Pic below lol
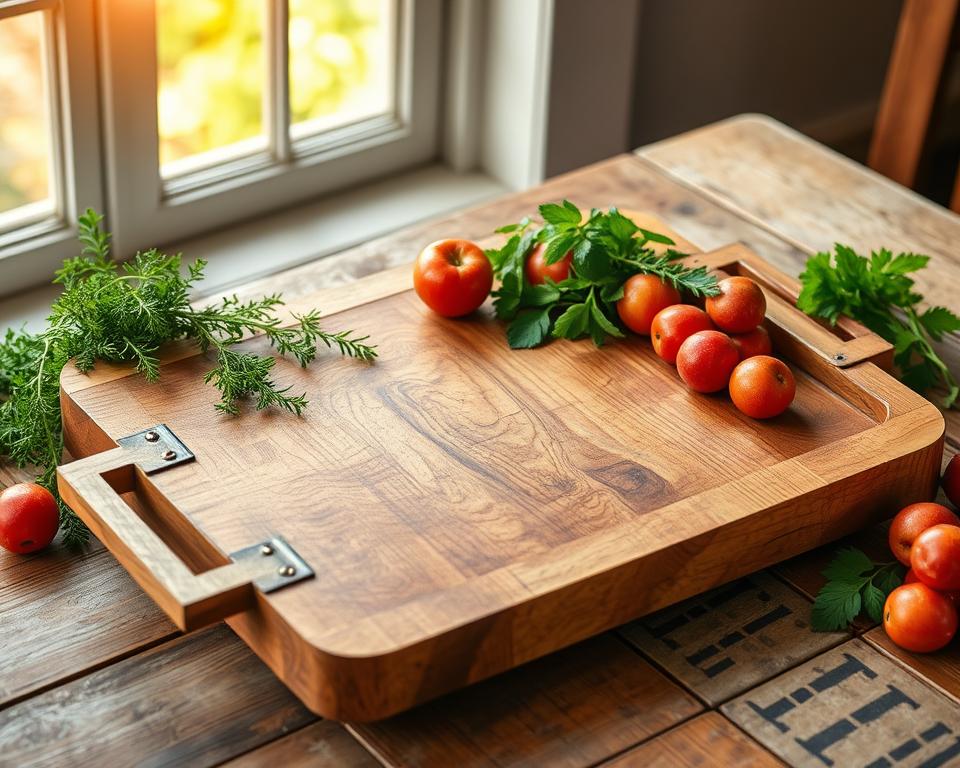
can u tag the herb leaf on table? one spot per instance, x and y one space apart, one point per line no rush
878 292
124 313
855 583
607 248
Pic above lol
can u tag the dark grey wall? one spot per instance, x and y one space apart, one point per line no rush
806 62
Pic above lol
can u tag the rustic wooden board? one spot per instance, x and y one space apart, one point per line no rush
185 703
851 706
704 741
723 642
445 532
569 710
700 214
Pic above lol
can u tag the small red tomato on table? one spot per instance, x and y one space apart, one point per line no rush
913 520
919 619
935 557
29 518
951 481
452 277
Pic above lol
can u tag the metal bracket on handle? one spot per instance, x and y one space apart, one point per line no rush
157 449
287 567
92 487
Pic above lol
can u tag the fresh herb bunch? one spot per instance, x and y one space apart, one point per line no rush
878 293
125 312
854 583
607 249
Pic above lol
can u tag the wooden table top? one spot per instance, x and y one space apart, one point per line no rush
93 673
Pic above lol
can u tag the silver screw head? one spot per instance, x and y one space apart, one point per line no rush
266 550
287 570
169 455
151 436
840 357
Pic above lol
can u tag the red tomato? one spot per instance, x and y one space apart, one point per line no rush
762 387
753 343
911 578
643 297
919 619
452 277
537 269
913 520
951 480
29 518
671 327
935 557
705 361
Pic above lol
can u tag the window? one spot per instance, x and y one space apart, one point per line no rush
258 104
49 163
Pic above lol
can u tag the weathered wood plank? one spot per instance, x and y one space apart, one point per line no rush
63 614
197 700
851 706
324 744
574 708
730 639
709 739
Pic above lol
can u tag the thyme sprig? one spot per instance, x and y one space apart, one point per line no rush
124 312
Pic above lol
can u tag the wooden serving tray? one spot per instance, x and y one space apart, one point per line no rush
464 508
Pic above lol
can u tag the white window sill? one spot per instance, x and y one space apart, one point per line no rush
292 237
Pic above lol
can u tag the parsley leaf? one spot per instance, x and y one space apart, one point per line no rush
878 292
854 583
529 328
606 249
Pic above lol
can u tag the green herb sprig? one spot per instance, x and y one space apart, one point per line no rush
878 292
125 312
855 583
606 249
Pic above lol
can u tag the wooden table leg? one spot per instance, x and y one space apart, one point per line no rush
909 93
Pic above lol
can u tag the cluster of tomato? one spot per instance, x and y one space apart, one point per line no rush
723 345
921 615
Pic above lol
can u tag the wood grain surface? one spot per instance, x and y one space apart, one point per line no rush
569 710
457 495
812 197
708 740
196 701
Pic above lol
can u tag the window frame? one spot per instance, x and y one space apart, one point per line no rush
31 252
146 210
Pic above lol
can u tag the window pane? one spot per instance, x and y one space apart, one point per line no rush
25 135
342 62
211 74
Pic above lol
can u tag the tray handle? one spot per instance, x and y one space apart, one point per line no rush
92 488
848 343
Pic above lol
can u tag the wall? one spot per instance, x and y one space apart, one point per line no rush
817 65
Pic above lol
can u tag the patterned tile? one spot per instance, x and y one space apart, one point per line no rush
726 641
851 707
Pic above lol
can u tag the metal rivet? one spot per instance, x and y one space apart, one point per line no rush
151 436
840 357
287 570
266 549
169 455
